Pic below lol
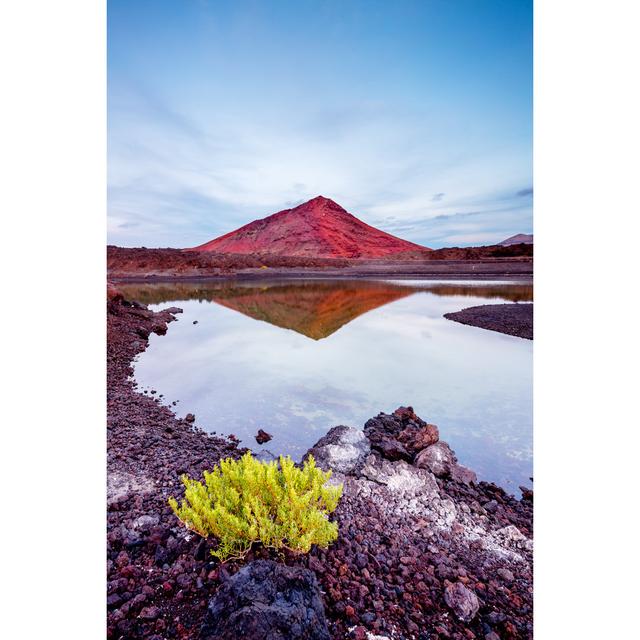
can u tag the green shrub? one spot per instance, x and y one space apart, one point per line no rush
245 501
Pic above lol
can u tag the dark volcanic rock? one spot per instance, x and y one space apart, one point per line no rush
263 437
405 413
267 601
512 319
418 438
391 449
401 435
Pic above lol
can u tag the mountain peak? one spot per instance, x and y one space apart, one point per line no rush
318 228
318 203
318 200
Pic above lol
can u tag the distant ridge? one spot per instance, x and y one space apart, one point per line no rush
520 238
319 228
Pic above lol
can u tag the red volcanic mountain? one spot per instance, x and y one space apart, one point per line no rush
319 228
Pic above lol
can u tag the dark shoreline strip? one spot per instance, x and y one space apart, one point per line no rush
514 319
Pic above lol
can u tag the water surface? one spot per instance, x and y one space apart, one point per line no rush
297 357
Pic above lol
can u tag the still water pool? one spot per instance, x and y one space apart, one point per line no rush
297 357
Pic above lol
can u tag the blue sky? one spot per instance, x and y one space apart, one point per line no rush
416 116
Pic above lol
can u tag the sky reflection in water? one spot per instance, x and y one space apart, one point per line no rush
296 358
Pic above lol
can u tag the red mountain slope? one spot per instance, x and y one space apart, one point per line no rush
319 228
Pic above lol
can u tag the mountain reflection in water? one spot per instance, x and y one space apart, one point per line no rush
297 357
315 309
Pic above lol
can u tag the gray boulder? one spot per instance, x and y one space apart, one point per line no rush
146 522
267 601
442 462
438 458
462 601
342 449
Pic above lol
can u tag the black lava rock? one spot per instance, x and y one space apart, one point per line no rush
267 601
263 436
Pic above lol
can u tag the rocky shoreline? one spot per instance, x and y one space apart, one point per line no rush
424 550
511 319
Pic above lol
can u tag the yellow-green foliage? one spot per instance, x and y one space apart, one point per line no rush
245 501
